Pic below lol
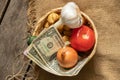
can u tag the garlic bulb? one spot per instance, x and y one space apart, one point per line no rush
70 15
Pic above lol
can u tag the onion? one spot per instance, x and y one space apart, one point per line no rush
67 57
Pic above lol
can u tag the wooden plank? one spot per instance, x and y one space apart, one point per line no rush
13 32
3 7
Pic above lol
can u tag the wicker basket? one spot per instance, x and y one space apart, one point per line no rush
39 27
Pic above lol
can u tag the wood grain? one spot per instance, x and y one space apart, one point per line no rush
13 32
3 7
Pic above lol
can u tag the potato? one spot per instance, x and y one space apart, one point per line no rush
60 28
53 17
66 28
65 38
67 33
46 25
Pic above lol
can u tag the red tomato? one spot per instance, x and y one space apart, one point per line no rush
83 38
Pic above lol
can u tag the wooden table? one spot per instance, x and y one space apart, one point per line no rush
13 32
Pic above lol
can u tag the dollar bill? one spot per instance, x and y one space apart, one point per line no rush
32 54
48 43
43 50
53 68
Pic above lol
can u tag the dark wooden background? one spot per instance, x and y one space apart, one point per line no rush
13 30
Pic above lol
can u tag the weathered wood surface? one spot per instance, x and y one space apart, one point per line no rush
13 32
3 6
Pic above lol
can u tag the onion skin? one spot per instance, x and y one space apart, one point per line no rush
67 57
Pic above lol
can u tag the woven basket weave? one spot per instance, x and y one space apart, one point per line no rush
39 26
